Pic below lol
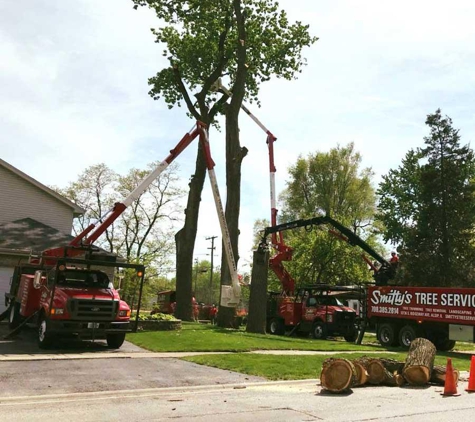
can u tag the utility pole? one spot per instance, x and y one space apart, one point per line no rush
211 272
196 275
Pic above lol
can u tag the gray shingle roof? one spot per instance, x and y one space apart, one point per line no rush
27 234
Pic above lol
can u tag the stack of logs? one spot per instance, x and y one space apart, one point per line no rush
339 375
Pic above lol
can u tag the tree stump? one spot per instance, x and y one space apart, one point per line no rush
438 375
256 321
338 375
419 362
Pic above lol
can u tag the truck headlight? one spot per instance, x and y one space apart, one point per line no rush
57 311
329 317
124 313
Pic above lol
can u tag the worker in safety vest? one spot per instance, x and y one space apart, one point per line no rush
213 313
394 258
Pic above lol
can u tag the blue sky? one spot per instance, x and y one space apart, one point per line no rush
73 78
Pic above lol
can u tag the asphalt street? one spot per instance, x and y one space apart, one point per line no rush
84 381
275 401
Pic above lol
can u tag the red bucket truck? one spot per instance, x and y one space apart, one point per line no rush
66 290
72 297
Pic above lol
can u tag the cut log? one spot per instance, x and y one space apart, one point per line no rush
362 374
338 375
419 362
382 371
438 375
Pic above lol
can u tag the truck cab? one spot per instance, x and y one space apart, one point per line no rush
70 300
314 309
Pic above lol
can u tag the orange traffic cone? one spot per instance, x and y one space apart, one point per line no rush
471 378
450 389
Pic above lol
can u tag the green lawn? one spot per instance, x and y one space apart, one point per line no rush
196 337
295 367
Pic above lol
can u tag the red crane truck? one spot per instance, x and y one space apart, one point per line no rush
399 313
66 295
316 309
442 315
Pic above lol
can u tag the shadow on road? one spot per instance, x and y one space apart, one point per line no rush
25 343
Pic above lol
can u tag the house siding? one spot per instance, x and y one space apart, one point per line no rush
20 199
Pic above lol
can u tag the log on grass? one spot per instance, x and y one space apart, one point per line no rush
338 375
419 362
438 375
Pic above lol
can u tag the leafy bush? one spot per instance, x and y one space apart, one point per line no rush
154 317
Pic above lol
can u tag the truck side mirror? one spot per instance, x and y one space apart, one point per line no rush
37 279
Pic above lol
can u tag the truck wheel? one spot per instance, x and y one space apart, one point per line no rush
387 335
14 318
445 345
45 338
319 331
114 341
407 334
276 326
352 336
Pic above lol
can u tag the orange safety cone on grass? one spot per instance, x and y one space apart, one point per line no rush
450 389
471 378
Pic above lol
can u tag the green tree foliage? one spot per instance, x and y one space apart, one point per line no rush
428 207
329 184
201 39
244 41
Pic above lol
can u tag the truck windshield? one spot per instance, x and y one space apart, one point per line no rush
328 301
81 278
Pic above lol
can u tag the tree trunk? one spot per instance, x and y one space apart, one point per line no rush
234 157
185 242
438 375
419 362
256 322
338 375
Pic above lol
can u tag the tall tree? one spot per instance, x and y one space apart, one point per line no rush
428 206
246 41
332 184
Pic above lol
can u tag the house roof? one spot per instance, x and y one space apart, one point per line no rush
27 235
77 210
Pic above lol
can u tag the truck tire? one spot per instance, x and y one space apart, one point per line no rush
387 335
114 341
407 334
276 326
445 345
319 331
14 317
45 338
351 336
